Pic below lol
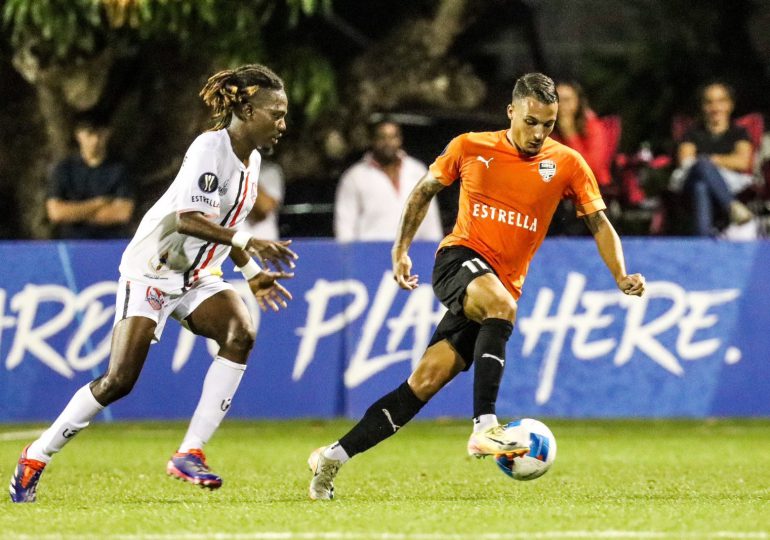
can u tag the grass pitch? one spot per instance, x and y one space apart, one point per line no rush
611 479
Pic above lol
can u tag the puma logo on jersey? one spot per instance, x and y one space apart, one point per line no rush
484 161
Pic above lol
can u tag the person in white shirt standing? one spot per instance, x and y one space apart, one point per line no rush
372 192
172 267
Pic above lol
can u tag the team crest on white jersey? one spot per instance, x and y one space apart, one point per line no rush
155 298
208 182
547 169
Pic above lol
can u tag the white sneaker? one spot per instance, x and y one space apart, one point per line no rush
499 440
324 471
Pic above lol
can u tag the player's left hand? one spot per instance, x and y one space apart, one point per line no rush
268 292
632 285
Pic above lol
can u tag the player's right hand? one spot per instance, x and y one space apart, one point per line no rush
276 253
402 272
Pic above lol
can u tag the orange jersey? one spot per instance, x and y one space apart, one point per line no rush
507 199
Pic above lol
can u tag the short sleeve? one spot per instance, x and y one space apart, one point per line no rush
124 189
346 208
199 178
741 134
57 181
446 167
583 188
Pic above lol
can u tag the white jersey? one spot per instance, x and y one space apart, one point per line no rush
212 180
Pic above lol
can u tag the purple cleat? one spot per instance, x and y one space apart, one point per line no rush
191 467
23 486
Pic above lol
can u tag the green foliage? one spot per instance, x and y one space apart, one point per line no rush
310 80
219 32
59 28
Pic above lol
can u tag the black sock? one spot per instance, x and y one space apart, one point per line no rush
489 360
382 419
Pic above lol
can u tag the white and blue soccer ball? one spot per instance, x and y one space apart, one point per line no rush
542 452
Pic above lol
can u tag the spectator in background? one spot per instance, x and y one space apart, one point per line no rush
90 195
714 160
578 127
372 192
262 221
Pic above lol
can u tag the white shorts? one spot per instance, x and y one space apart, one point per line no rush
137 299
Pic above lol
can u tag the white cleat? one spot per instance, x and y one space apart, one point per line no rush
499 440
324 471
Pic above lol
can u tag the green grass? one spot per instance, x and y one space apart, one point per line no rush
611 479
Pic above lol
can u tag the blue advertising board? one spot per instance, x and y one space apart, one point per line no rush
697 344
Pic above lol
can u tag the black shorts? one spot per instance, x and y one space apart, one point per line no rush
455 268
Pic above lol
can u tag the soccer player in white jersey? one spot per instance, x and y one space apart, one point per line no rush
172 268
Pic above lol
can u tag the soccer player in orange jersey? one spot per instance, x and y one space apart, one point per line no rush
512 181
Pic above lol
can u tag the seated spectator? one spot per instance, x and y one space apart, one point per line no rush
262 221
714 159
372 192
578 127
90 195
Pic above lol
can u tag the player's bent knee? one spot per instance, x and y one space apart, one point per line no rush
501 308
110 388
240 338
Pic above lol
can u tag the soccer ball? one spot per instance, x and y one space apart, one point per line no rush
542 452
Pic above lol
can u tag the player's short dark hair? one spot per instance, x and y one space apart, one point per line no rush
535 85
231 88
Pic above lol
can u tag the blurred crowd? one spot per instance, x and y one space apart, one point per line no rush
714 181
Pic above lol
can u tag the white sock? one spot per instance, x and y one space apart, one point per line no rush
219 387
76 416
484 422
336 452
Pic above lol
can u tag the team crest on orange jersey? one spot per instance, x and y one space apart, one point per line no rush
547 169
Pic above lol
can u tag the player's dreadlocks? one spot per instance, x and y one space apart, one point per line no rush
536 85
227 90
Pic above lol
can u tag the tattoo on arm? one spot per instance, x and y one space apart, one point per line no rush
595 221
417 206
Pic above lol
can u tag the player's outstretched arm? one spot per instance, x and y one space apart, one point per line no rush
414 212
608 243
277 253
